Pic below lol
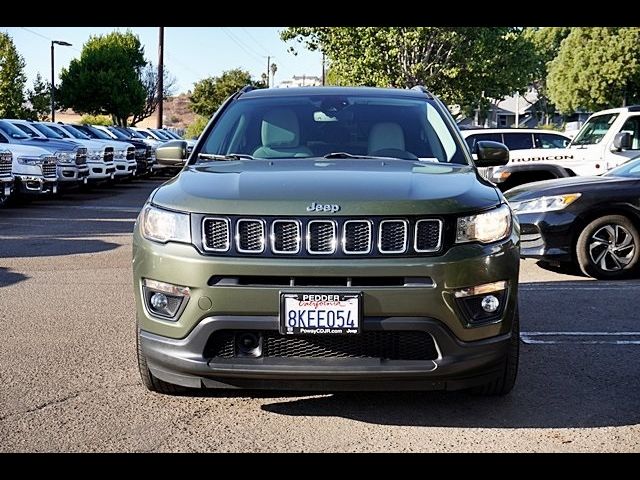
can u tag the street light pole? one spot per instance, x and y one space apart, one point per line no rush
53 79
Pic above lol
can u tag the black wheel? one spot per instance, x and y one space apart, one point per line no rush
607 248
150 381
505 382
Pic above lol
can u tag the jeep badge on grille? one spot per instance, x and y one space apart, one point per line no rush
318 207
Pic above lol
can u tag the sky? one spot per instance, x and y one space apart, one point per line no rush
190 53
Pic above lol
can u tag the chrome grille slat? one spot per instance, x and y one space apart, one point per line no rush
321 237
49 167
6 160
250 236
216 234
392 236
81 156
356 237
285 236
428 235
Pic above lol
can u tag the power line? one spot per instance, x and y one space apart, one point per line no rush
255 56
45 37
254 40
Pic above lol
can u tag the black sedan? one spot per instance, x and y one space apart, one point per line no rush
592 221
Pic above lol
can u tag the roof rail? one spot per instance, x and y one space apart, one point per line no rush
423 89
245 89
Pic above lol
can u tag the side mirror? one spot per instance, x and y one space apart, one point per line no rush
172 153
491 154
623 141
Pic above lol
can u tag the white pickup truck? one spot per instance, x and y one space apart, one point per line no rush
607 139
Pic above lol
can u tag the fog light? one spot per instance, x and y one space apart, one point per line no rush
489 303
159 301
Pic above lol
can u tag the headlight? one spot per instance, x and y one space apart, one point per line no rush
164 226
29 160
545 204
66 157
94 154
485 227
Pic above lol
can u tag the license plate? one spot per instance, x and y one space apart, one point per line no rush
84 180
113 175
320 313
7 190
55 189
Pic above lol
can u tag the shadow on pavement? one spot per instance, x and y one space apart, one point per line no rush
7 277
50 247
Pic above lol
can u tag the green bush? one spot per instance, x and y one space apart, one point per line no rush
96 120
195 129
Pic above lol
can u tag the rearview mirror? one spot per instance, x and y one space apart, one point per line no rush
491 154
622 141
173 152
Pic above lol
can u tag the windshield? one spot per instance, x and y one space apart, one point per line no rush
46 131
12 131
119 135
76 133
91 132
60 132
142 134
594 130
26 130
629 169
316 125
162 134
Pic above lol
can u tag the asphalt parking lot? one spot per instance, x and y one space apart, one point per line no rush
69 380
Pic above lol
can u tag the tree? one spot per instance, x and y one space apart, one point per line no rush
149 79
96 120
107 78
195 129
40 99
274 69
209 93
596 68
546 43
461 64
12 79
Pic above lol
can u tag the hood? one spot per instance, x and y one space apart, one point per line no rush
53 145
19 150
358 186
115 144
89 144
562 185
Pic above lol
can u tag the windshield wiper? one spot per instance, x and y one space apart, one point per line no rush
347 155
228 156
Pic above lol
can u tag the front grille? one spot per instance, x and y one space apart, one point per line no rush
392 236
356 237
250 238
285 236
6 160
131 153
108 155
141 153
216 235
341 237
321 238
49 167
81 156
148 152
382 345
428 235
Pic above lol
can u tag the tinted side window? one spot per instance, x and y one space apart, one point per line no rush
473 139
632 125
518 141
3 139
549 140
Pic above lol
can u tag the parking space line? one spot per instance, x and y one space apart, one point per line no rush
582 338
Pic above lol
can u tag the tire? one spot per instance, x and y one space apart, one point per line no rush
150 381
505 382
608 248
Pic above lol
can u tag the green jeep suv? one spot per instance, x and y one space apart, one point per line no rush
328 239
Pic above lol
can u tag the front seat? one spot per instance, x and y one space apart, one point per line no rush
280 135
386 139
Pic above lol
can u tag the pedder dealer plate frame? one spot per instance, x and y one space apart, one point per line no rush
320 313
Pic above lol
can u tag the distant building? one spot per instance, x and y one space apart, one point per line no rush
301 81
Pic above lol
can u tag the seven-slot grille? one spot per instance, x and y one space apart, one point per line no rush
5 163
337 237
108 155
49 167
81 156
141 153
131 153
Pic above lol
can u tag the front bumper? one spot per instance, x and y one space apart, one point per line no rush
548 236
101 171
36 185
125 168
468 354
72 173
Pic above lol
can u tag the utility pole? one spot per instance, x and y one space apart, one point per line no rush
517 109
160 76
53 79
268 67
323 69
